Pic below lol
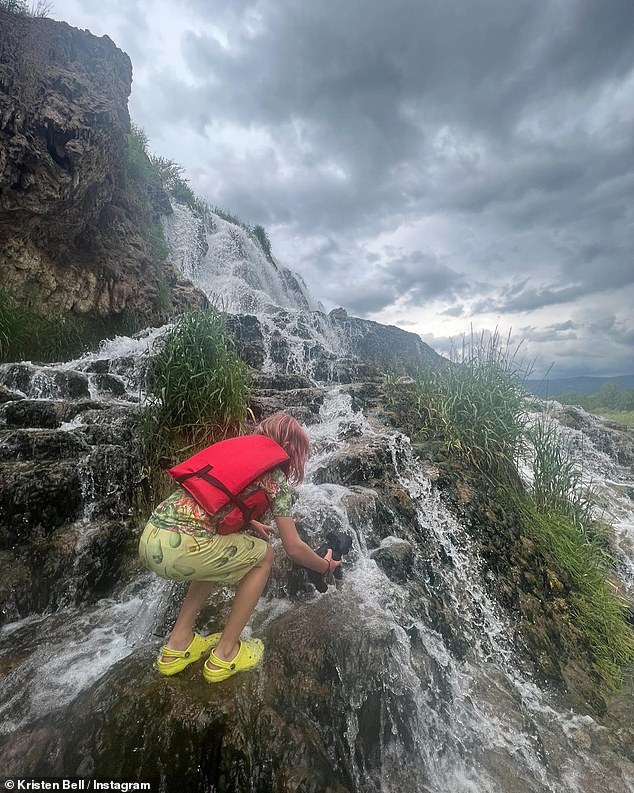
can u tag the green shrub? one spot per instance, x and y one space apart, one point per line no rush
158 244
144 178
476 405
197 393
229 217
175 182
140 172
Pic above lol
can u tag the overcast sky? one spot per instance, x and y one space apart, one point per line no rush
433 164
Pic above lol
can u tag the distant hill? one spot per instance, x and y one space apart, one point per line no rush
580 385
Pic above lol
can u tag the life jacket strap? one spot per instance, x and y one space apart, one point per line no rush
203 473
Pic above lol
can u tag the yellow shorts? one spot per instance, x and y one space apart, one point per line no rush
224 559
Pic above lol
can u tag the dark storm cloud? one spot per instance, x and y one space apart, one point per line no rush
413 279
619 332
528 299
371 86
506 125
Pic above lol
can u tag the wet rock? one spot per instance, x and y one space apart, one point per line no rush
71 385
310 398
360 463
45 413
16 376
45 381
387 347
73 234
395 557
101 366
75 563
263 407
280 382
16 585
249 340
109 384
6 395
108 475
39 444
282 728
31 413
38 494
617 441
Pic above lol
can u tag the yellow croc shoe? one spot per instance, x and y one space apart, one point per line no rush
197 648
248 657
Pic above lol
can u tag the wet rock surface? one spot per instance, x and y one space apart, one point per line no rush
607 436
72 238
358 684
66 494
254 731
387 347
396 557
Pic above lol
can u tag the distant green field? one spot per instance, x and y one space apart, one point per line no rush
622 416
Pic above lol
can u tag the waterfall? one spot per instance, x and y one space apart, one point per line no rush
424 679
228 263
236 274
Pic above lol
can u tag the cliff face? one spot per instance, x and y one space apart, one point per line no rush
387 347
72 238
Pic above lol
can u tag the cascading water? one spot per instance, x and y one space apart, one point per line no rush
227 262
237 275
422 676
456 711
474 720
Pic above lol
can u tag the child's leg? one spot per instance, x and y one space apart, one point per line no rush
183 630
246 597
207 563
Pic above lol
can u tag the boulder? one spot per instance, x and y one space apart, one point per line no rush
395 556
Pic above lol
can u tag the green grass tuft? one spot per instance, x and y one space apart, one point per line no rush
557 476
599 611
197 393
27 335
477 404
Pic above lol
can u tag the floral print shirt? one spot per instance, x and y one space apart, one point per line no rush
181 512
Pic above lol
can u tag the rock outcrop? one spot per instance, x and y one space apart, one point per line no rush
329 347
72 237
68 468
387 347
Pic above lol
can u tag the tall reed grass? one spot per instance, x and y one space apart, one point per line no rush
557 473
197 393
477 403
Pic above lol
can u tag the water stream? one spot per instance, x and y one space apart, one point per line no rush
452 707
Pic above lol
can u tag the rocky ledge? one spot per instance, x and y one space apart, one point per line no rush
71 235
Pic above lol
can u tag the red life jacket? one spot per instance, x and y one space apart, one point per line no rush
216 475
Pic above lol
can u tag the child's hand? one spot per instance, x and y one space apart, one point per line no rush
334 564
262 529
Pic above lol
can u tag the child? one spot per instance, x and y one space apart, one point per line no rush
181 543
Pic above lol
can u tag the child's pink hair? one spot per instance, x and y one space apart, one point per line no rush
292 437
